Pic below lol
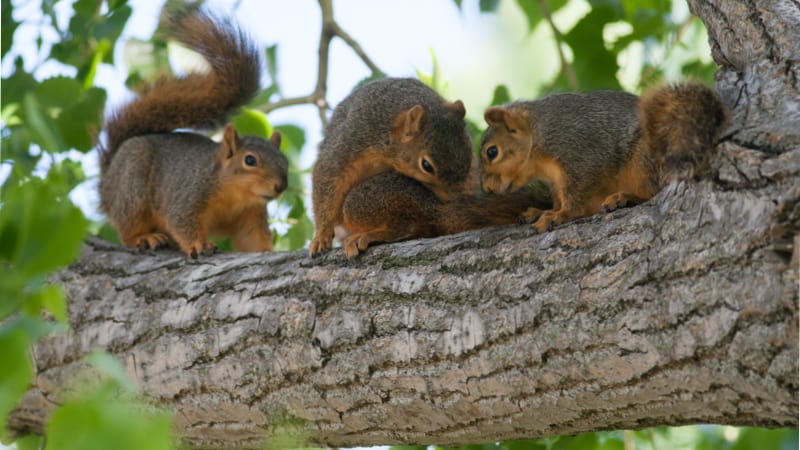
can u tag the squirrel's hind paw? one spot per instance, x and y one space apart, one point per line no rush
198 248
152 241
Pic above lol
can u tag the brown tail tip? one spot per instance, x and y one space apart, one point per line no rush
682 125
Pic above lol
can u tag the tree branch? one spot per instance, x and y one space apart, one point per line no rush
318 97
566 67
678 311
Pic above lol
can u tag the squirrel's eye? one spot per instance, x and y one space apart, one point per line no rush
492 152
426 166
250 160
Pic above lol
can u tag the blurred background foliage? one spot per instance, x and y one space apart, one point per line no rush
49 125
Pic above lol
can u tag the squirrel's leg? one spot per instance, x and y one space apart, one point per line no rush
191 234
566 206
143 232
620 200
328 194
252 231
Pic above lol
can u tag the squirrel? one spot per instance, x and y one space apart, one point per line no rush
391 207
391 124
159 187
602 150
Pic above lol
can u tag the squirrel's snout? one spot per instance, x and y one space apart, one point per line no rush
280 186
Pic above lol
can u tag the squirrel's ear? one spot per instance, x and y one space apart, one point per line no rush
495 117
502 118
230 142
456 106
407 123
276 139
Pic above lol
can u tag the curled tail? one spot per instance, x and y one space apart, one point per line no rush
197 100
469 212
681 125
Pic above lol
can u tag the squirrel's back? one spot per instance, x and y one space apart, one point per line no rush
599 121
364 119
197 100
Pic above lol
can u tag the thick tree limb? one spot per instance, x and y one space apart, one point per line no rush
678 311
681 310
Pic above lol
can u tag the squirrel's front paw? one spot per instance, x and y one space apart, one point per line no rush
319 245
206 248
547 221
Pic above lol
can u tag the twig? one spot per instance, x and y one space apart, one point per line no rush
566 67
329 29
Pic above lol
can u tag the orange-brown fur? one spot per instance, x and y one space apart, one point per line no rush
390 125
160 187
391 207
599 151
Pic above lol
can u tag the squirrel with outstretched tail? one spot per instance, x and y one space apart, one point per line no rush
602 150
160 187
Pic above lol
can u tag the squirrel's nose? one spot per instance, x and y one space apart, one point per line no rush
280 186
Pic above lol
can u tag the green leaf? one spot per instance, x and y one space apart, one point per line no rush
501 95
29 214
32 442
16 86
585 441
253 123
110 27
271 54
41 125
594 65
9 26
58 92
293 138
80 122
16 145
762 438
102 421
531 444
488 5
533 11
50 298
111 367
16 370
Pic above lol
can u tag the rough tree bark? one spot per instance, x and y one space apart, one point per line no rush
682 310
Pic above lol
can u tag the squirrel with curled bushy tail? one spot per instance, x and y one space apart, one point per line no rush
159 187
602 150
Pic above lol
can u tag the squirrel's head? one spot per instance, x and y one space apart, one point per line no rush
434 148
253 167
505 149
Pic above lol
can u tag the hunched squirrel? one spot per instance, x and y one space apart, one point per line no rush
392 124
160 187
600 150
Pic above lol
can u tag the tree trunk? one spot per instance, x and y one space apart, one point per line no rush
682 310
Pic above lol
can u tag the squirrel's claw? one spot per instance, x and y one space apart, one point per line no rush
206 248
318 246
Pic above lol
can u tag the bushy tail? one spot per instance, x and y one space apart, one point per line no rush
469 212
197 100
681 125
